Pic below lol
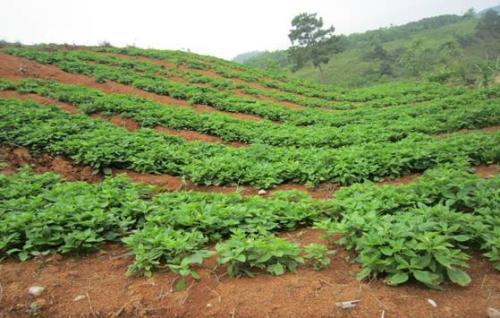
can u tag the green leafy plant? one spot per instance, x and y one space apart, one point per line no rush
155 245
184 267
419 231
245 254
317 256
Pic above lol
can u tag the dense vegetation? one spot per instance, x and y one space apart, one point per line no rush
103 145
422 231
447 115
449 48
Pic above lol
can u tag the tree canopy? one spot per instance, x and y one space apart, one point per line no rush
489 25
310 41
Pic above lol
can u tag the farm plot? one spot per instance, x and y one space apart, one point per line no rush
435 235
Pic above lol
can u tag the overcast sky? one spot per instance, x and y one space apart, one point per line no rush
223 28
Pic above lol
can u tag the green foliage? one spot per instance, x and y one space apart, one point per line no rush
310 42
419 230
154 245
103 145
317 256
454 114
489 25
40 215
244 254
387 54
184 267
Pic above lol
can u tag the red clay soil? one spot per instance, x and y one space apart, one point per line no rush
491 129
40 99
95 285
487 171
466 131
16 157
213 74
17 68
193 135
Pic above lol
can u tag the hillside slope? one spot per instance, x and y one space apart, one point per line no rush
161 179
442 48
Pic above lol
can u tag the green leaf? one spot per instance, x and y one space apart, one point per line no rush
364 273
458 276
196 258
180 285
397 279
461 238
386 251
276 269
428 278
442 259
195 275
23 256
497 266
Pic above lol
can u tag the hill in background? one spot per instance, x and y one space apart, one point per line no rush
443 49
496 8
241 58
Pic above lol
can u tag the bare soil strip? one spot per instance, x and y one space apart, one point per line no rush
95 285
41 100
209 73
17 68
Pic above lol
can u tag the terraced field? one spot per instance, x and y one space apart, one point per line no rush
168 180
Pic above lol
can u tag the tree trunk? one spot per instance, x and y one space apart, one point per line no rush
321 74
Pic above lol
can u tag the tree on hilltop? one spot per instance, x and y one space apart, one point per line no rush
310 42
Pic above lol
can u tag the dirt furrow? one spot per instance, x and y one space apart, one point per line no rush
41 100
210 73
96 285
17 68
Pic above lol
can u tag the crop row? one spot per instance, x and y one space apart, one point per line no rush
381 95
419 231
221 100
39 214
103 145
422 230
197 78
224 101
150 114
231 70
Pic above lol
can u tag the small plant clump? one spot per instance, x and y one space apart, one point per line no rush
269 253
318 256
